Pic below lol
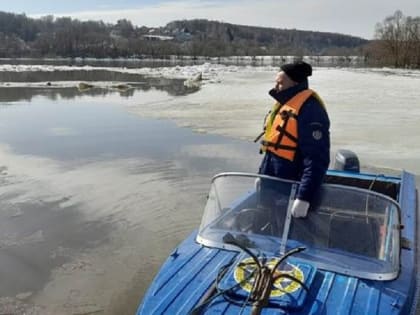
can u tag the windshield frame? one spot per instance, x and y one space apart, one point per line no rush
285 238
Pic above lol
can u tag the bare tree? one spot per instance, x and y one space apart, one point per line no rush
399 36
413 28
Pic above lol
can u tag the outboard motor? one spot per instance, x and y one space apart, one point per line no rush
346 160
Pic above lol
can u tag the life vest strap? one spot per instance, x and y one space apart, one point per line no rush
259 136
277 146
286 133
288 113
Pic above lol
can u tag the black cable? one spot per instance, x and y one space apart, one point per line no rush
197 309
289 253
230 239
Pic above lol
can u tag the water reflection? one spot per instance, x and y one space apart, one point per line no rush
93 197
70 75
36 237
52 91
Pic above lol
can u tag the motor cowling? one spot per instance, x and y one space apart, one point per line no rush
346 160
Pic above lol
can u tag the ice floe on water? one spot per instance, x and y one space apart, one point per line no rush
206 70
372 112
118 78
232 100
386 71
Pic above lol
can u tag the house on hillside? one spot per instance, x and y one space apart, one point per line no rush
157 37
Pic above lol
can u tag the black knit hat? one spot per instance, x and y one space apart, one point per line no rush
297 71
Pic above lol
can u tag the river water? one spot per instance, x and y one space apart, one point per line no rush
98 185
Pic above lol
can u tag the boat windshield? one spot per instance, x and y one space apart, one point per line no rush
348 230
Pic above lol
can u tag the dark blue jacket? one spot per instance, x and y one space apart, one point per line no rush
313 149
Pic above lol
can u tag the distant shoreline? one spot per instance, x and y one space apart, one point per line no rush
173 60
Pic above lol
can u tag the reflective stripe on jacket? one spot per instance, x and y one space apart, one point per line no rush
281 126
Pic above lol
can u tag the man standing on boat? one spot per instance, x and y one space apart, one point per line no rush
296 138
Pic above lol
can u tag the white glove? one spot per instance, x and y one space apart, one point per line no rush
300 208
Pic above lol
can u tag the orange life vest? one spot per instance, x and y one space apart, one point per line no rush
281 126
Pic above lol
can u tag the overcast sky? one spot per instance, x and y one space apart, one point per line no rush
353 17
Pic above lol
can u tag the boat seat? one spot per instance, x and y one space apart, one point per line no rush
355 234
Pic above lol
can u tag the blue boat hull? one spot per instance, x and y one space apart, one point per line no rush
190 272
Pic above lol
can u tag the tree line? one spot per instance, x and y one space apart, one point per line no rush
22 36
396 43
